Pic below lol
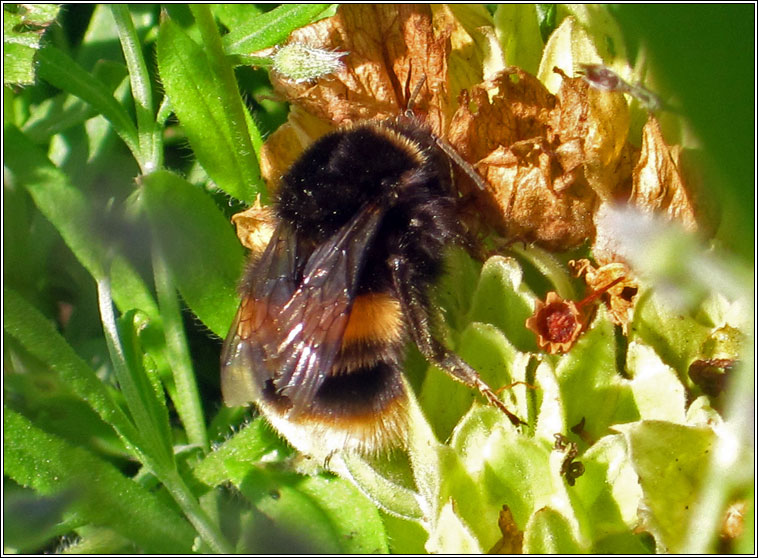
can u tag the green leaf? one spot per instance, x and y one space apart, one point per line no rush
489 352
518 31
503 300
509 467
203 105
658 392
23 27
608 493
70 212
316 514
200 247
549 532
186 397
669 460
249 445
674 335
232 16
46 463
271 28
150 138
591 387
140 385
404 536
386 494
43 396
59 69
62 112
451 535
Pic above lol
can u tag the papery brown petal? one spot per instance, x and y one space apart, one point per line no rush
599 121
621 297
255 226
390 47
547 159
658 182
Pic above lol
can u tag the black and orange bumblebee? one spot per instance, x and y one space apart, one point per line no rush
364 218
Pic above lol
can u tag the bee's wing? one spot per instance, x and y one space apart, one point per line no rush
294 342
269 284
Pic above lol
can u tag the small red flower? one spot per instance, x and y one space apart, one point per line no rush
559 322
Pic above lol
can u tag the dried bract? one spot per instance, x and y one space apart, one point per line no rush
658 179
621 297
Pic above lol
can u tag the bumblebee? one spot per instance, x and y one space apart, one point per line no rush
364 217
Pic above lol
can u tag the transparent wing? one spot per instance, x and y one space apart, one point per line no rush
289 331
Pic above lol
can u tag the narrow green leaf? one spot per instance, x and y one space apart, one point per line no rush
62 71
142 390
64 111
232 16
46 463
150 139
69 211
205 109
38 336
200 246
271 28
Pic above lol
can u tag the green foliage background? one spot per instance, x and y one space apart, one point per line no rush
120 267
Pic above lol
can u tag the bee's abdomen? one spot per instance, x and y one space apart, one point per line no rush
365 378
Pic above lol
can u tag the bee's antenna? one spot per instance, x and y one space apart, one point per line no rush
464 165
449 150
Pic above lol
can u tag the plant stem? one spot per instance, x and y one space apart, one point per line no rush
207 530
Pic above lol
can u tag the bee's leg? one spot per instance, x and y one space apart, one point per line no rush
414 307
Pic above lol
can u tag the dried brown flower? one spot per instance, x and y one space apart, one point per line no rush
549 161
558 322
621 297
